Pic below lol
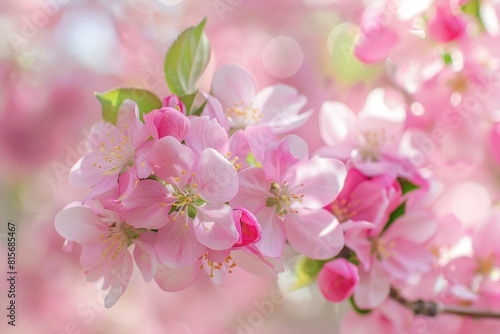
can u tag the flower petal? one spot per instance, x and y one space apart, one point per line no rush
170 159
319 180
314 233
145 255
233 84
273 237
216 178
205 133
254 190
173 280
80 224
177 245
148 205
214 226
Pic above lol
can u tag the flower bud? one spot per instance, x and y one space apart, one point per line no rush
167 122
247 226
338 279
173 101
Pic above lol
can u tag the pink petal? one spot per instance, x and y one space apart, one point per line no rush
177 245
205 133
173 280
84 173
319 180
418 227
120 281
148 205
337 126
281 124
142 164
373 288
314 233
358 238
216 178
80 224
273 233
375 45
213 109
232 84
280 106
145 255
254 190
214 226
170 159
256 264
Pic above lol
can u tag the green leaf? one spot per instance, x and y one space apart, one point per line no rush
112 100
307 270
343 63
188 101
473 8
398 212
186 60
356 308
407 186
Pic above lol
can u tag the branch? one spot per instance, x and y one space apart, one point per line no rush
432 309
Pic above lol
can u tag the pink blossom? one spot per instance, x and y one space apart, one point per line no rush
105 240
200 186
391 256
338 279
115 150
287 196
371 138
240 106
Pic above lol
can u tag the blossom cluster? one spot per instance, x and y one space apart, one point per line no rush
203 183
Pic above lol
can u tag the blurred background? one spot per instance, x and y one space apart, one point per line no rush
54 54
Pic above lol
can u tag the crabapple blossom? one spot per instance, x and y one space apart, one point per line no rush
277 107
287 196
105 240
115 151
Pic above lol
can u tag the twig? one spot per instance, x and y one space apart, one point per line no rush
432 309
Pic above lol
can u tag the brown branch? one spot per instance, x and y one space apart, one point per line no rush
432 309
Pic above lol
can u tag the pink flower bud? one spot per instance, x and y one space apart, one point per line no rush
444 26
167 122
247 226
173 101
338 279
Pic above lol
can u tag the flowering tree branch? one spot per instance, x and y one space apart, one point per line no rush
432 309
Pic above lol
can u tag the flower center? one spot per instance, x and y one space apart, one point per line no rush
119 238
383 249
187 198
241 115
344 209
371 143
227 265
283 199
116 155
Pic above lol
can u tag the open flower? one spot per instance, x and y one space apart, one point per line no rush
200 185
105 241
116 151
240 106
287 196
